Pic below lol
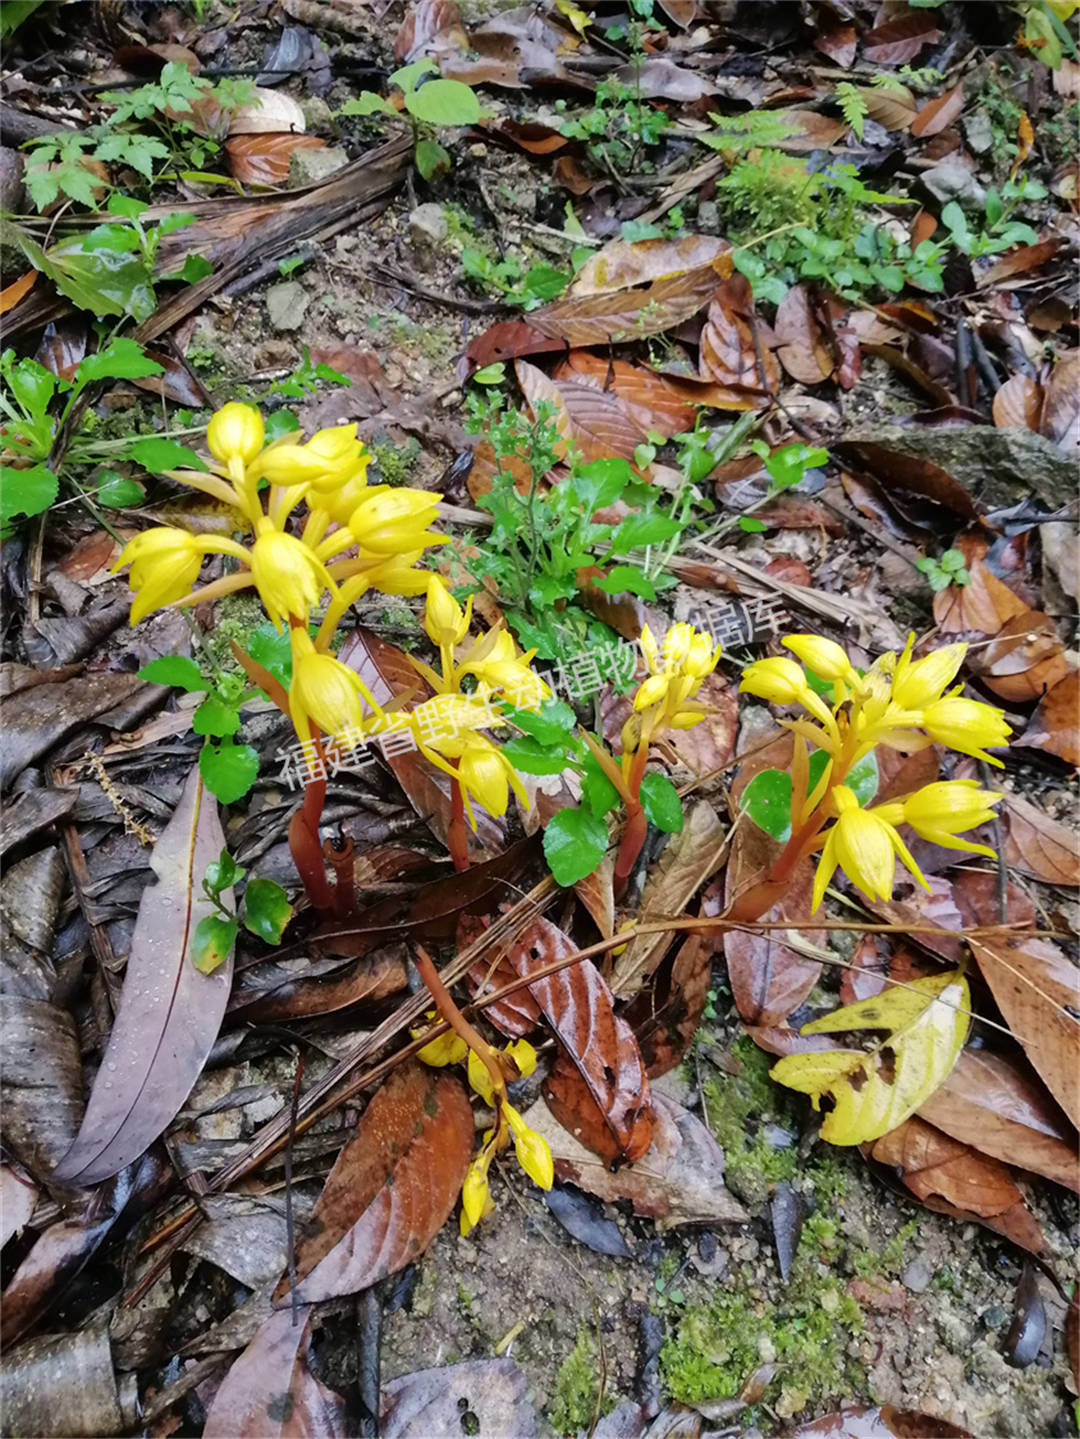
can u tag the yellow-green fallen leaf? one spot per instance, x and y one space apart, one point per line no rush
574 14
874 1091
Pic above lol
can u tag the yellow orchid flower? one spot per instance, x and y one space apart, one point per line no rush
918 683
863 844
968 726
165 563
939 812
394 521
445 621
235 433
324 690
532 1149
289 577
825 657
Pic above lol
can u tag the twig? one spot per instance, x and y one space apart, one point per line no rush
290 1224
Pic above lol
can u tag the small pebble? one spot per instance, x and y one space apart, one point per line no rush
918 1274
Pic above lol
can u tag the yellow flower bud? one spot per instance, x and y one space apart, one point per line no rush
967 726
940 811
322 689
486 773
702 656
445 622
825 657
649 649
652 691
288 575
395 521
676 646
533 1150
448 1048
235 432
919 684
779 680
480 1079
165 563
523 1055
398 575
475 1194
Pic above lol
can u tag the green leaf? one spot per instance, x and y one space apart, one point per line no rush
409 76
661 803
212 942
646 528
121 359
491 374
101 281
281 422
530 757
952 560
626 578
176 670
551 725
266 910
596 789
751 525
543 282
575 842
767 800
600 483
195 268
14 12
32 385
229 770
214 717
444 102
25 492
430 159
367 103
114 491
270 648
222 873
176 221
158 455
862 778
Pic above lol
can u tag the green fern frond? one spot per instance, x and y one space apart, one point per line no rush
853 104
757 130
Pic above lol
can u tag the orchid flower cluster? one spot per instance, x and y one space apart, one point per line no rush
900 703
516 1061
354 537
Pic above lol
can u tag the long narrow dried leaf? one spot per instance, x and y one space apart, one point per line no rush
270 1391
997 1104
169 1012
927 1023
627 315
391 1188
938 114
1038 991
598 1087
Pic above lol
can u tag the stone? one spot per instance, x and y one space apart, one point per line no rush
918 1274
427 227
274 355
979 132
312 167
317 113
12 194
708 217
286 304
952 180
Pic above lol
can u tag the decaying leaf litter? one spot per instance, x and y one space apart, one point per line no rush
202 1258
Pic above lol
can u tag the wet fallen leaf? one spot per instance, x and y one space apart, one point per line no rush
1026 1333
1038 992
584 1219
801 344
270 1391
263 159
729 353
938 114
665 1015
1021 260
623 263
487 1398
838 43
591 420
1072 1337
39 717
1039 846
391 1188
62 1384
429 25
861 1421
1019 402
42 1081
997 1105
598 1086
905 471
679 1181
1061 413
1055 725
786 1216
1024 660
506 340
955 1179
663 403
170 1012
984 604
898 41
273 992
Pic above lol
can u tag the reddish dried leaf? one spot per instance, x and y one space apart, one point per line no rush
625 263
263 159
505 341
900 40
63 346
666 1014
428 22
626 315
1061 415
1021 260
271 994
680 12
1055 725
801 343
1035 987
869 969
902 471
1072 1329
386 671
955 1179
998 1106
984 604
679 1181
1024 660
710 745
169 1012
664 403
1039 846
911 906
594 421
839 45
938 114
598 1089
485 467
1019 403
597 893
535 138
391 1188
860 1421
729 353
516 1015
568 173
815 131
11 294
270 1391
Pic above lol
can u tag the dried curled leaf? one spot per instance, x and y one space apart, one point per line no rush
875 1091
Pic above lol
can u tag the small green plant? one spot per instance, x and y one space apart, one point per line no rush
228 769
756 130
525 287
1001 232
264 911
621 124
305 379
785 469
949 570
428 104
176 105
29 427
853 106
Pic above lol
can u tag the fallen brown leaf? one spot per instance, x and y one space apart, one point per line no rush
1055 725
270 1391
1039 846
900 40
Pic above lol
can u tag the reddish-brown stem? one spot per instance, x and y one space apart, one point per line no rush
637 826
341 862
304 842
760 898
457 837
460 1025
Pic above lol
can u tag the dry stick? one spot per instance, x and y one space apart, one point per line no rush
290 1225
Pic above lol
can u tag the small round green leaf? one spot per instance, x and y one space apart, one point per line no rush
529 757
25 492
266 910
212 942
115 492
575 842
222 873
596 789
444 102
767 800
661 803
431 159
270 648
215 718
157 454
229 770
175 670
